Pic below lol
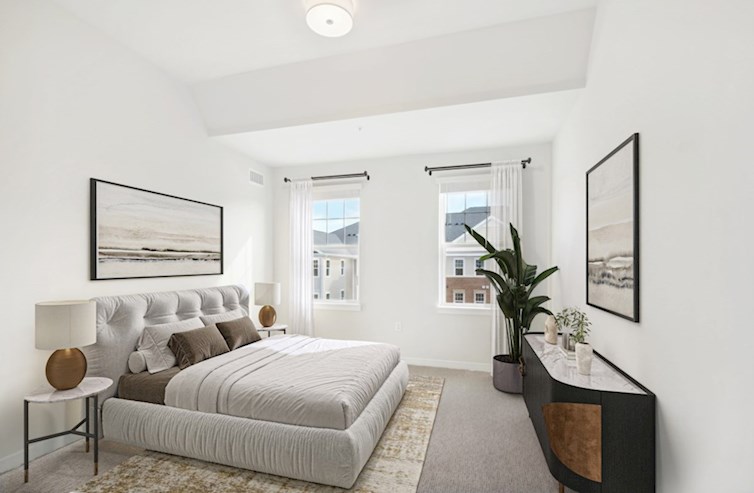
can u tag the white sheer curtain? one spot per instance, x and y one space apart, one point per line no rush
301 258
505 208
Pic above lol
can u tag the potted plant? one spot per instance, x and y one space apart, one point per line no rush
577 323
514 286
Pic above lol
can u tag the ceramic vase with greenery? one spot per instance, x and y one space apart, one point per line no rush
514 285
574 320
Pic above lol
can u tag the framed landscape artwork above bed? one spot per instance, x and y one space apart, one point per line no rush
136 233
612 237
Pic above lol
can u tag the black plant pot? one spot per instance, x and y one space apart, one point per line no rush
506 376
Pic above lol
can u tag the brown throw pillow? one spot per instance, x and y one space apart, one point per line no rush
196 345
239 332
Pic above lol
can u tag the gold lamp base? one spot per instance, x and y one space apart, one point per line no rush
267 316
66 368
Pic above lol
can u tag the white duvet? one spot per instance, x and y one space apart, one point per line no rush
287 379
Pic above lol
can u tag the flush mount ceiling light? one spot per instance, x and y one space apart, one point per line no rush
330 18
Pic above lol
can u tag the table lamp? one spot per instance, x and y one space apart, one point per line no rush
64 326
267 293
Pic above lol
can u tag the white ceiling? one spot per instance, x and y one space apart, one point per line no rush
268 49
204 39
507 60
487 124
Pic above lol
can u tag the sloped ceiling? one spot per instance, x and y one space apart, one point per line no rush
498 123
205 39
415 75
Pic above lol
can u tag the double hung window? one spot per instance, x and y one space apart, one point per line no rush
336 219
463 202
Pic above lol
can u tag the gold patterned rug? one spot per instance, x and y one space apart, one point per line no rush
395 466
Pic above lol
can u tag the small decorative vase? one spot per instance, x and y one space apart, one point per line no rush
551 330
565 339
584 355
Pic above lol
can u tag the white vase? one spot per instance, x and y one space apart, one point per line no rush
565 339
551 330
584 355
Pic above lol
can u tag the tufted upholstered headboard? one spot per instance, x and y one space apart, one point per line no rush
121 320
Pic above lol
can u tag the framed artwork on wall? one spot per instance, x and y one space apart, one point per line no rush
612 232
136 233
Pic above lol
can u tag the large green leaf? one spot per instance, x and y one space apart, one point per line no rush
536 311
495 279
530 272
519 293
506 259
518 255
535 302
480 239
504 301
544 275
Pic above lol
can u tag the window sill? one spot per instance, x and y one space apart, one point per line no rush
449 309
344 306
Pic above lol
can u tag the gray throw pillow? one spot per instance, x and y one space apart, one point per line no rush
193 346
137 362
154 343
239 332
222 317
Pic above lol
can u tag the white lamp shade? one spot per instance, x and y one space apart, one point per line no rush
65 324
330 18
267 293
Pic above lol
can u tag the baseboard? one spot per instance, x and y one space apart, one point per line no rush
454 365
36 450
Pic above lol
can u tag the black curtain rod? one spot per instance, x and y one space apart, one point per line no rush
335 177
429 170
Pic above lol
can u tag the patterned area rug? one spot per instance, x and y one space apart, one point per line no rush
395 465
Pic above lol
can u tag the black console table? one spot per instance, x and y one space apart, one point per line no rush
597 432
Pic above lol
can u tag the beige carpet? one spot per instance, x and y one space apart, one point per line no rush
395 465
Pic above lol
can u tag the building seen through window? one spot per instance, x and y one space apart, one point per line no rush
336 248
460 252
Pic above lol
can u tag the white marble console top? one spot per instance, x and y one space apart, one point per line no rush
603 378
87 388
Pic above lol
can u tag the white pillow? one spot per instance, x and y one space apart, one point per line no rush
154 343
137 362
223 317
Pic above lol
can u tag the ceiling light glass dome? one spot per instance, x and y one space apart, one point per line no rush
330 18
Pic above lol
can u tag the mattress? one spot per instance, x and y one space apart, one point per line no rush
146 387
321 455
288 379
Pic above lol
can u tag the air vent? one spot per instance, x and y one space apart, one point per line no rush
256 178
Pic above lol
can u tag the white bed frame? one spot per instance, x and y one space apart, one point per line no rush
320 455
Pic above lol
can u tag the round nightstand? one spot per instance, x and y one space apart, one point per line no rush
274 328
89 388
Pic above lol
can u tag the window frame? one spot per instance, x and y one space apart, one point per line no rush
484 297
343 266
315 268
342 192
455 266
446 250
462 292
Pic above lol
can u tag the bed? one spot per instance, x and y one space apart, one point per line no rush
305 408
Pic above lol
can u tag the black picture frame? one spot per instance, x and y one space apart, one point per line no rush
603 278
94 254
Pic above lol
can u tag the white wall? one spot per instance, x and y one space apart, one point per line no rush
399 255
681 74
74 105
